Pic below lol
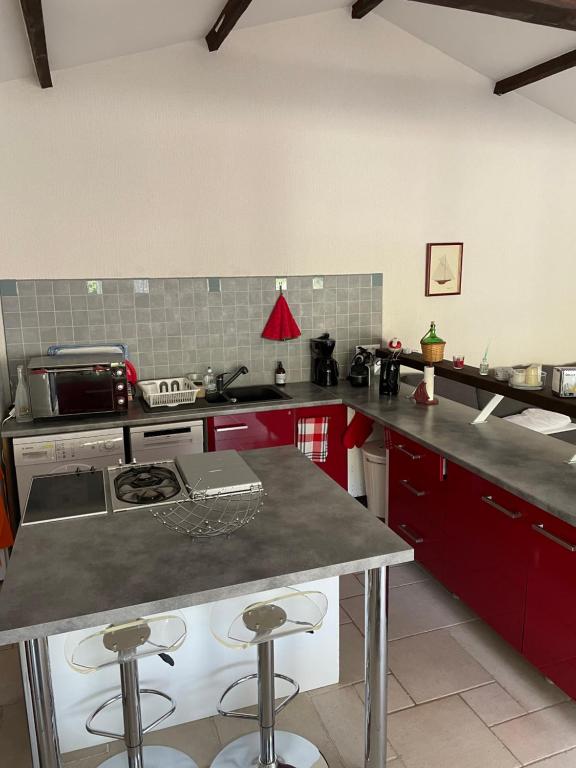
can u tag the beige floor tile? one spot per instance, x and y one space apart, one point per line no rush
88 762
344 618
517 676
350 586
342 713
407 573
10 676
446 734
351 655
98 750
199 739
354 607
397 697
540 734
565 760
493 704
422 607
14 743
433 665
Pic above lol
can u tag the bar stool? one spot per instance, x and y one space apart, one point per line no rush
124 644
285 612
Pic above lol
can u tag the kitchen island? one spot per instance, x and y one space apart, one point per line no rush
93 571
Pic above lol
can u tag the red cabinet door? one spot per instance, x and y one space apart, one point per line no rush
336 464
550 628
415 500
243 431
487 550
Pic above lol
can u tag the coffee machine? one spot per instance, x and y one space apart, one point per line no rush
360 368
324 367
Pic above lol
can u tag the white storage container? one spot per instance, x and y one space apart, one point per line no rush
374 459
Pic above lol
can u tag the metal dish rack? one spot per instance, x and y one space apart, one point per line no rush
168 392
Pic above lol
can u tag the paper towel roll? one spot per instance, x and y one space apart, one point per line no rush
429 381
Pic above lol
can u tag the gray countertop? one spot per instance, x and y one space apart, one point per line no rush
530 465
524 462
302 394
85 572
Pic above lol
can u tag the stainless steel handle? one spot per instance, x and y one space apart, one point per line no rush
411 488
413 456
414 537
539 528
231 429
508 512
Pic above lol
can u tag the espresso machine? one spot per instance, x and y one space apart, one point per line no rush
324 366
360 368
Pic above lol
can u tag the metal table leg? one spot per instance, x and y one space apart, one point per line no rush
40 704
376 661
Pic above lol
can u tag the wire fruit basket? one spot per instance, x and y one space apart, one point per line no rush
206 514
168 392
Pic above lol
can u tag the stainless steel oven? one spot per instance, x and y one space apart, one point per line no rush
77 385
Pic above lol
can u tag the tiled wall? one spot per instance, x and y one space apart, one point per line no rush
174 326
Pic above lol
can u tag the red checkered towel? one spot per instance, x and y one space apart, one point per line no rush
313 437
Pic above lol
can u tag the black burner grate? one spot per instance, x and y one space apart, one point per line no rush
149 484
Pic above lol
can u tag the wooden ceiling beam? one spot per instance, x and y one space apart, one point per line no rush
539 72
550 13
34 20
226 23
363 7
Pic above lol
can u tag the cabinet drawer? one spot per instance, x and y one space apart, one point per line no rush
414 462
416 514
251 430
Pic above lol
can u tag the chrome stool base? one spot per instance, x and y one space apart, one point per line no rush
153 757
291 750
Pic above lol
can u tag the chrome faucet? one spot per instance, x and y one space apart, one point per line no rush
221 385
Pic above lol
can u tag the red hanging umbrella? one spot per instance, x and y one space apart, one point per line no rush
281 324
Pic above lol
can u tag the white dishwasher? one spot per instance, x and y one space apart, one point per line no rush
166 441
49 454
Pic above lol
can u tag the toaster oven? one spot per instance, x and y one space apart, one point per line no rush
77 385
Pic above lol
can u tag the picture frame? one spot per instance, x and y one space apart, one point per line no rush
444 269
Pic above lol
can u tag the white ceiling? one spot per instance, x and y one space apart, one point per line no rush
493 46
81 31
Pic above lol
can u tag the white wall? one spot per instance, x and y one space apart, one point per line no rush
316 144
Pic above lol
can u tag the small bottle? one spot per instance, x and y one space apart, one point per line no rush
209 380
22 399
484 368
280 374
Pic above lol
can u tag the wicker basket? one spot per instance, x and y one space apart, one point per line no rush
433 353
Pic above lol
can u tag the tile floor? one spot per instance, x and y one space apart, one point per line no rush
459 696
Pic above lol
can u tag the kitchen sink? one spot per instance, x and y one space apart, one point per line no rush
254 394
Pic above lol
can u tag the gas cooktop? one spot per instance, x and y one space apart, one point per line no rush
145 485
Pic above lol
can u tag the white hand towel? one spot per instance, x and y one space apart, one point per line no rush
545 422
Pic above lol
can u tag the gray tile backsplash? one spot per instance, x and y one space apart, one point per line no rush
174 326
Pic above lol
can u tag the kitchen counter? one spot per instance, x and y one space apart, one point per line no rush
531 465
86 572
524 462
302 394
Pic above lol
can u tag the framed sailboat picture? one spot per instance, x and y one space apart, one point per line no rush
444 269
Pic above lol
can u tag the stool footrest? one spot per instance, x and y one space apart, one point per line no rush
118 697
247 715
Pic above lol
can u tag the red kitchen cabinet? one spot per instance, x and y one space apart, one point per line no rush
243 431
487 550
336 464
415 500
550 623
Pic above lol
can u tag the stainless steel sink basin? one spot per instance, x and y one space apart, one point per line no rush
254 394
